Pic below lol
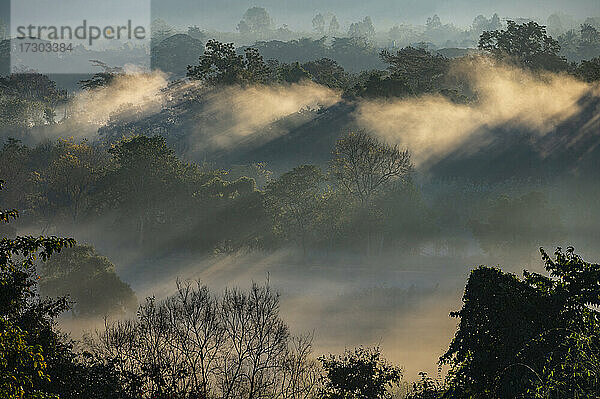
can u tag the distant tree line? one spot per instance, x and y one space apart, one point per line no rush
411 70
257 25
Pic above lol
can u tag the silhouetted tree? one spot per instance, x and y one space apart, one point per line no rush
327 72
359 374
101 79
195 344
536 337
292 73
417 68
35 360
589 71
426 388
138 185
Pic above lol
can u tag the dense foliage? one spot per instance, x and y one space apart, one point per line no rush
359 374
528 44
90 282
536 337
35 360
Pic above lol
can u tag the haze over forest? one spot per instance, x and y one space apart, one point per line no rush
298 15
330 199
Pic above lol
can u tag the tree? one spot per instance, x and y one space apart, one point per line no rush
589 71
34 87
380 84
28 99
14 166
554 25
495 23
526 44
101 79
433 23
318 23
481 24
335 219
197 344
327 72
22 363
589 43
98 80
35 361
334 26
417 68
72 176
256 20
362 29
536 337
364 166
144 172
426 388
292 73
221 65
293 202
359 374
89 280
17 115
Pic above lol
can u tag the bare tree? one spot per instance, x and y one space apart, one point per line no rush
300 377
194 345
364 166
197 332
257 341
118 345
162 366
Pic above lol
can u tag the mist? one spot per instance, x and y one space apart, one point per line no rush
385 13
354 189
231 115
130 96
434 126
397 302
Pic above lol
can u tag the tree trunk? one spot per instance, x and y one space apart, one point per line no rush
141 231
